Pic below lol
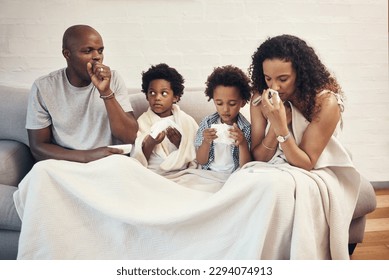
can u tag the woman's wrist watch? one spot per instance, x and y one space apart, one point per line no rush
282 139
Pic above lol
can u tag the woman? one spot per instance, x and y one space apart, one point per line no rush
287 65
308 182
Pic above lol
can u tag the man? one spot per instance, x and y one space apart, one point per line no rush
74 113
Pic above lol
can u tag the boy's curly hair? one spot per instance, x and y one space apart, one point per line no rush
311 75
163 71
228 76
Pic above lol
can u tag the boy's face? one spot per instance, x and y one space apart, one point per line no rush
228 103
161 97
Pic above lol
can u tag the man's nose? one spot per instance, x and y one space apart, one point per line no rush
96 55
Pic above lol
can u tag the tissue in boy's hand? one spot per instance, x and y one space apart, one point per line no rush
125 147
160 126
223 134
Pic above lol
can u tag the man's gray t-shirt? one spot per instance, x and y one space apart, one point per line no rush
78 116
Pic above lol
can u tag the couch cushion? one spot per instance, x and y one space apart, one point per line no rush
196 104
16 161
138 102
9 218
13 109
9 240
193 102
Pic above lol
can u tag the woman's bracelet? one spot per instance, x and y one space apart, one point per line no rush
268 148
109 96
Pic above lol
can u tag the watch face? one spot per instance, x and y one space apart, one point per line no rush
281 139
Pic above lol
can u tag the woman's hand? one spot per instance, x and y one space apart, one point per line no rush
274 111
268 120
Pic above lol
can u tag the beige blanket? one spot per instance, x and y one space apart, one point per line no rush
115 208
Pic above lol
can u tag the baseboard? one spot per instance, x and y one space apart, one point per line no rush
380 184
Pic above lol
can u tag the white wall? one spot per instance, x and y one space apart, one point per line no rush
351 37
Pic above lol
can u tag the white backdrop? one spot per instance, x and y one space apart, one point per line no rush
194 36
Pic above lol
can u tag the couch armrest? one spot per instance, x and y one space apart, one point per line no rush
16 161
366 202
9 218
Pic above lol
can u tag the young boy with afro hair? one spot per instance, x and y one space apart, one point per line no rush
223 139
166 134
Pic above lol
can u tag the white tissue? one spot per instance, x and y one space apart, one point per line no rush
272 92
125 147
162 125
223 134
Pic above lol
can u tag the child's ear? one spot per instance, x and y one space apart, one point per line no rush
176 99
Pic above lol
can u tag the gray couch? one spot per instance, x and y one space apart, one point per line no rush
16 160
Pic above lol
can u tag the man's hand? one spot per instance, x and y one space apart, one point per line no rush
101 76
101 152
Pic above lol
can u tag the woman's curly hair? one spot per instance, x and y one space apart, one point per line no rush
228 76
163 71
311 75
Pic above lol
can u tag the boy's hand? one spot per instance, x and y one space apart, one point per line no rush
174 136
237 135
151 142
209 134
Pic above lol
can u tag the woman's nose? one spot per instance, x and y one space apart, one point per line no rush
274 86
